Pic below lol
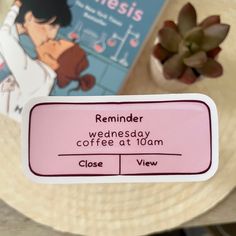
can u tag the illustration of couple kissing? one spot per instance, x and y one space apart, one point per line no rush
58 61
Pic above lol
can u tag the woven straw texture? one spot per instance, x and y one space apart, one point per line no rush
131 209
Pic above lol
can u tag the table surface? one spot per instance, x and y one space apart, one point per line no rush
14 223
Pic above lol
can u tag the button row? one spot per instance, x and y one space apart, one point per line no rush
123 164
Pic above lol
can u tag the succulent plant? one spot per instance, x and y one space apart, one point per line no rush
187 49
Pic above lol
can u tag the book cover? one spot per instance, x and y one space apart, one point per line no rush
70 47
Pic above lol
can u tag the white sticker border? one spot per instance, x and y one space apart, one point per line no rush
123 179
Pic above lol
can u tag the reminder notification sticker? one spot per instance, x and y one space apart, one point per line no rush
118 139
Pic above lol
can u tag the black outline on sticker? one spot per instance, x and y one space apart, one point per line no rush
119 155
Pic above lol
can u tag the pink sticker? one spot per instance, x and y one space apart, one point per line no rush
126 138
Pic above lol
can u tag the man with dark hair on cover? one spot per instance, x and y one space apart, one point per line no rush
40 20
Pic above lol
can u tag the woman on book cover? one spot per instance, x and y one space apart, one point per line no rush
69 60
40 20
30 77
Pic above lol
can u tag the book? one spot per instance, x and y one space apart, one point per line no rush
109 34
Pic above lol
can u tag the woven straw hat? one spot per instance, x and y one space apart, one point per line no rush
131 209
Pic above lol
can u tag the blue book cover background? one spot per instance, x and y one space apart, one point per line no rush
112 33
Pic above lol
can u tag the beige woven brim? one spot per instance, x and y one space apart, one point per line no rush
131 209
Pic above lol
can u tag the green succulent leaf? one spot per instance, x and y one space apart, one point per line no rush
174 67
187 19
195 35
188 77
212 69
169 39
171 24
161 53
194 48
197 60
209 21
214 36
184 50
